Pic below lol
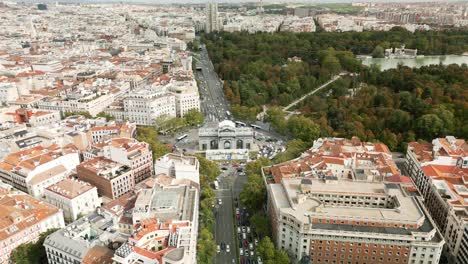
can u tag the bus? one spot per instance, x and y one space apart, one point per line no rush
216 185
182 137
240 124
255 127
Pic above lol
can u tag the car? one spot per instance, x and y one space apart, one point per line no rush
248 229
220 201
238 230
241 251
259 260
256 241
246 252
251 253
223 246
251 246
249 261
243 229
228 249
237 216
224 168
244 236
242 260
218 249
237 211
246 243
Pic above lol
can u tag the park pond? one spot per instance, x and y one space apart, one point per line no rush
391 63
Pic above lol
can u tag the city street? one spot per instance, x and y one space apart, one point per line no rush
214 104
224 230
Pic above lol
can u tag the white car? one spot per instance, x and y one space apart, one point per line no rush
227 249
238 230
241 251
251 253
250 246
256 241
218 249
220 201
248 229
259 260
243 229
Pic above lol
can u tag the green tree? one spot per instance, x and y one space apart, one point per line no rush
281 257
378 52
303 128
276 116
266 249
429 126
206 247
331 64
106 116
256 166
261 224
193 117
208 170
293 149
254 192
31 253
399 120
82 113
150 136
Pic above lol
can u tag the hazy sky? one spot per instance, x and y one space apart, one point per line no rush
225 1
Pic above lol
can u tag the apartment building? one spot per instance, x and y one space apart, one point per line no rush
145 106
86 240
34 169
102 133
165 219
111 178
185 90
178 166
439 170
347 221
35 117
212 20
47 66
23 219
345 201
157 224
92 103
74 197
128 151
8 92
341 159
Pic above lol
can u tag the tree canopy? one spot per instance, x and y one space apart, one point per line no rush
394 106
31 253
270 254
150 136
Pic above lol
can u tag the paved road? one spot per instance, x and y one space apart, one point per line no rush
224 230
214 104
